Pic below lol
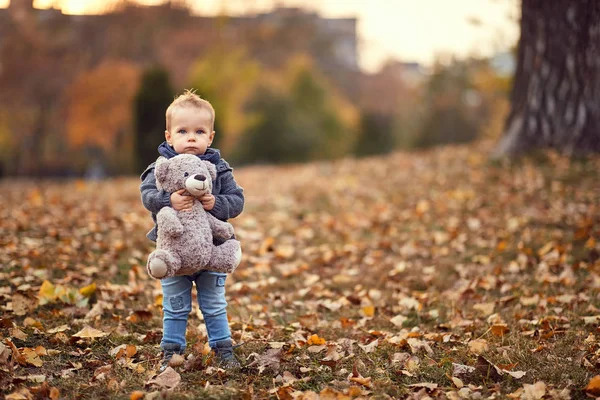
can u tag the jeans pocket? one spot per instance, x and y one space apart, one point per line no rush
176 303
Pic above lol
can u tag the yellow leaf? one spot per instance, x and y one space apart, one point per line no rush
31 357
47 293
368 311
366 382
89 332
32 322
21 394
316 340
88 290
546 248
457 382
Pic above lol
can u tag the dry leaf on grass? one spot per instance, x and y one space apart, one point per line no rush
89 333
168 379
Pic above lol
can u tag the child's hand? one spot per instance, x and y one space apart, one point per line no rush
208 201
181 202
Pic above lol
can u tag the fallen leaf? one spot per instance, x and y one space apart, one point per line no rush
366 382
499 329
315 339
478 346
168 379
399 320
271 359
309 321
369 348
368 311
136 395
426 385
88 290
31 357
90 333
534 392
593 387
485 309
457 382
176 361
22 305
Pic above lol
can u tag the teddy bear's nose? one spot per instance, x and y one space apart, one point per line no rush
200 178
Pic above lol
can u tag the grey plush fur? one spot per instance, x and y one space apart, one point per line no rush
185 238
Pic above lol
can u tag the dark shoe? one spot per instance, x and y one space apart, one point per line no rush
224 355
169 350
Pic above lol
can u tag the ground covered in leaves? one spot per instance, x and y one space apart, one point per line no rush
437 274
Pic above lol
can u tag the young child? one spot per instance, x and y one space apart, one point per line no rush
190 130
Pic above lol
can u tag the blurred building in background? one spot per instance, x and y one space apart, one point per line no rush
169 34
286 85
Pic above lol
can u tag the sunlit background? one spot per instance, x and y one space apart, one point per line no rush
84 83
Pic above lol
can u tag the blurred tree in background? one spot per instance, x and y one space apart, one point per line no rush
450 104
149 107
36 66
226 77
298 117
285 85
99 114
556 97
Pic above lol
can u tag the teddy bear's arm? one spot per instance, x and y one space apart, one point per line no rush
220 228
169 222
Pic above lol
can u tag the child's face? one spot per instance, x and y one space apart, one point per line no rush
190 130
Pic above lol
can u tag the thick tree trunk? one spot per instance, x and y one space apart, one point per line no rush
556 92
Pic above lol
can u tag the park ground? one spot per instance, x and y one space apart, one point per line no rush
438 273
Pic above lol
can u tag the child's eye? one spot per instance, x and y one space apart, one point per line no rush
200 132
181 131
185 175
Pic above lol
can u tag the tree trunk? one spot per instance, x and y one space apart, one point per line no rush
556 93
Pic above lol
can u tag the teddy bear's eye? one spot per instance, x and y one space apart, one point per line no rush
185 175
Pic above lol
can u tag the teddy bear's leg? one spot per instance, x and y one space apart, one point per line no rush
162 264
226 257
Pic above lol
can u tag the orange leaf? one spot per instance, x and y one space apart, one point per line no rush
593 387
316 340
499 329
136 395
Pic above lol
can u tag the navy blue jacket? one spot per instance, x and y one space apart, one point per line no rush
229 197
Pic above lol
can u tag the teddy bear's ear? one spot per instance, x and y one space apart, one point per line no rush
212 170
161 169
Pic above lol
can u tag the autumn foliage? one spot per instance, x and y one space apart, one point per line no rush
411 275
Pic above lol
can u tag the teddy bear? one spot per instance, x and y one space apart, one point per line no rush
185 238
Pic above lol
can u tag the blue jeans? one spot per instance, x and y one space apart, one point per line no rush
177 304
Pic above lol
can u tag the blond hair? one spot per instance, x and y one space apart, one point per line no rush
187 99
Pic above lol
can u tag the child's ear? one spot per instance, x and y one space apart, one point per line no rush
212 170
161 169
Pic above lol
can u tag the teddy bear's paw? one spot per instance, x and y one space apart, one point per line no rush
238 257
229 231
158 268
